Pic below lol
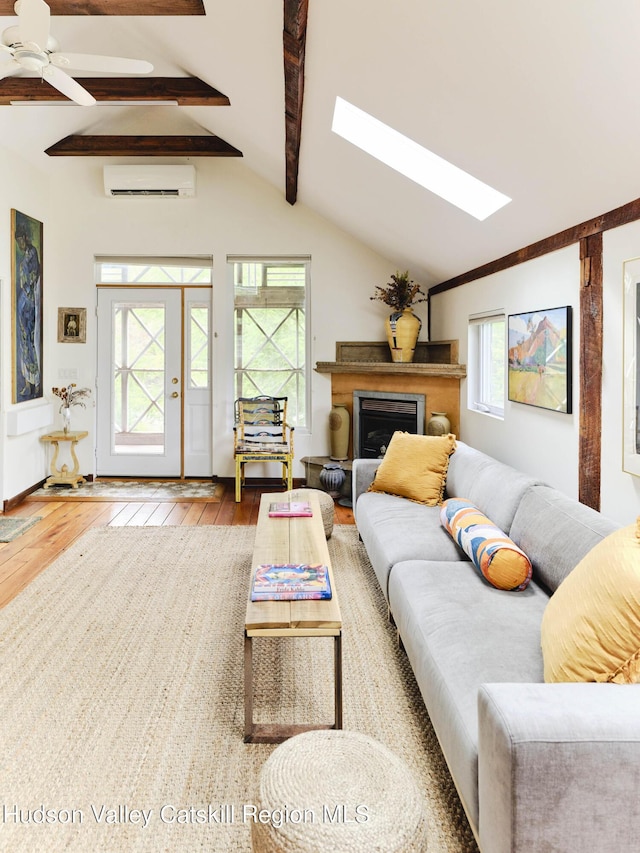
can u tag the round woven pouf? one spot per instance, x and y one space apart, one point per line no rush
337 791
327 507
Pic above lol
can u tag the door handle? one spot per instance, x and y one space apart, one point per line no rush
175 394
175 380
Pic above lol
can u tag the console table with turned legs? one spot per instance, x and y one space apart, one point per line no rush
63 475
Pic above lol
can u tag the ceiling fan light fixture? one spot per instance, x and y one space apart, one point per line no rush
417 163
30 60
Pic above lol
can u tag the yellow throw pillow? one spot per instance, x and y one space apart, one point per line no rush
415 467
591 625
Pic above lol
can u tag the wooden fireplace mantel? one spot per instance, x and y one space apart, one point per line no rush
455 371
432 358
367 366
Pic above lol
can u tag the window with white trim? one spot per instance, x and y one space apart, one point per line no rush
486 369
270 309
138 270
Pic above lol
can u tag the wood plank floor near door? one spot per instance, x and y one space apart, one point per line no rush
295 541
63 521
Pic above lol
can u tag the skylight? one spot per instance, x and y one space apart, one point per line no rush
415 162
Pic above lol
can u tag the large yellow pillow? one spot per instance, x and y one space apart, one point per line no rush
591 625
415 467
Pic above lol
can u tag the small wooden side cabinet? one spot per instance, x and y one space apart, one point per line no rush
64 475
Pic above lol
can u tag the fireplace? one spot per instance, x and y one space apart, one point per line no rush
378 414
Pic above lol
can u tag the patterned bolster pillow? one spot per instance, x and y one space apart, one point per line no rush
496 557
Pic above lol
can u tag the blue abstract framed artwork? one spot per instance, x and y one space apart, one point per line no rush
26 307
540 358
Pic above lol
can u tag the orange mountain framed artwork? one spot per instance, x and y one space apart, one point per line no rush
539 352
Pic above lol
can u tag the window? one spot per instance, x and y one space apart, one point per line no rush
486 369
416 162
139 271
270 331
198 344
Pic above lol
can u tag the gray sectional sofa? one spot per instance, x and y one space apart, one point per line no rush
539 767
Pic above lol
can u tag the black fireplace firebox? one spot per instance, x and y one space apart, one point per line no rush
378 414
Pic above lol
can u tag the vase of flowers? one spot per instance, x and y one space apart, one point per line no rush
65 411
70 396
402 325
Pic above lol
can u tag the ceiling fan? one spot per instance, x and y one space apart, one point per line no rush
29 46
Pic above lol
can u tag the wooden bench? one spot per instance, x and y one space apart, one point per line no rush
290 540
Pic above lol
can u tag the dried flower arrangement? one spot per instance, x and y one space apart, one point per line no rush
400 292
72 396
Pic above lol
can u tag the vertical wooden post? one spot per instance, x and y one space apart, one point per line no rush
591 333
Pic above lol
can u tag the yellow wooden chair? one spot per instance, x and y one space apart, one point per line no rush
262 434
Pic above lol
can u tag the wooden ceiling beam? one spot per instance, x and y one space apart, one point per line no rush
186 91
142 146
294 42
116 7
613 219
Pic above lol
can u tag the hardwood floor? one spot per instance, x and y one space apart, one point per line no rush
63 521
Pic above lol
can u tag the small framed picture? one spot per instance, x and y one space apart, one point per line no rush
72 325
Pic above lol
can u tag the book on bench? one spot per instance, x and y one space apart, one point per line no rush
290 582
290 509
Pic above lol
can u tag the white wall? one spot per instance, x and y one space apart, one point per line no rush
235 212
540 442
620 491
23 458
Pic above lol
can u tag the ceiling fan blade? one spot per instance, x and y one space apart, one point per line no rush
68 86
91 62
9 68
33 22
6 54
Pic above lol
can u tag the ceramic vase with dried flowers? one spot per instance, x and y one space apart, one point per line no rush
402 325
70 396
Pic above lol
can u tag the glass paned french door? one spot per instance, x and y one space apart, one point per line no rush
197 386
139 382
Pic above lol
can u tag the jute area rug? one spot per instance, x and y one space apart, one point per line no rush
121 695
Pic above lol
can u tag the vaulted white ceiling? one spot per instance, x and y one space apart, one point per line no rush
539 100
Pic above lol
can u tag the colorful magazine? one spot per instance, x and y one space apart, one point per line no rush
290 509
290 582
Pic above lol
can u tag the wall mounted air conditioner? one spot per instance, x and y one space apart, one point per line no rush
150 181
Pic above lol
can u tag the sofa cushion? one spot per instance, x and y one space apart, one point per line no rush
492 486
556 532
415 467
458 633
394 529
497 558
591 627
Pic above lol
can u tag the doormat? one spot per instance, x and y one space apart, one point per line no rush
134 490
11 528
